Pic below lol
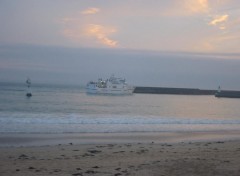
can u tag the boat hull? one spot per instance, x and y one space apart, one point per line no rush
128 91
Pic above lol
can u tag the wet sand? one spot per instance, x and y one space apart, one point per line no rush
151 154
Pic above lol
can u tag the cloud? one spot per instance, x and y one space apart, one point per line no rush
79 32
101 34
196 6
88 31
220 42
222 27
187 8
90 11
219 19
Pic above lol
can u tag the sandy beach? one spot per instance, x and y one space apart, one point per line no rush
158 154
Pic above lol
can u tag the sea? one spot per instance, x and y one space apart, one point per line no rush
55 109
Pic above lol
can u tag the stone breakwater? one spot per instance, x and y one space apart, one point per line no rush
177 91
187 91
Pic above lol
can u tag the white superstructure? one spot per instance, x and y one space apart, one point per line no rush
112 85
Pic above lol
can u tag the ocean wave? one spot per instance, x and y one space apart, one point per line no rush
42 118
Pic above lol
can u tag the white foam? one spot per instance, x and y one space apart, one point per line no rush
71 123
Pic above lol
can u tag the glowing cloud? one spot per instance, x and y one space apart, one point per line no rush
197 6
219 19
187 8
84 30
100 33
90 11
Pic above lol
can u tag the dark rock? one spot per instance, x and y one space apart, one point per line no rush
117 174
94 151
23 156
90 172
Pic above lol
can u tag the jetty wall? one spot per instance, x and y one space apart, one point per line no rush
228 94
178 91
187 91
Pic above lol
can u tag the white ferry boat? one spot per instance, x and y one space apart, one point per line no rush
112 85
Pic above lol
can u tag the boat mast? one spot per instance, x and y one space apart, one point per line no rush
28 82
29 93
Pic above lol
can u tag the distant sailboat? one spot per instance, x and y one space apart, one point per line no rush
29 92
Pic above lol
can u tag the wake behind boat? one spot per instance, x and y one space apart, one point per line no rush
112 85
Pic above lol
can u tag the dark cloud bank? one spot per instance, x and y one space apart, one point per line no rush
58 65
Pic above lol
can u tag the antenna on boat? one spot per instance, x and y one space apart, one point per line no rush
219 89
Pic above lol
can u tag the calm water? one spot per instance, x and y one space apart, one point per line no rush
58 109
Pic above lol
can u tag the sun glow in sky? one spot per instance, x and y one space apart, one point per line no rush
168 25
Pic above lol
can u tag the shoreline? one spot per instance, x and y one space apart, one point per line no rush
36 140
199 154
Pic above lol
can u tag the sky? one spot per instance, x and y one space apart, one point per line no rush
170 43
